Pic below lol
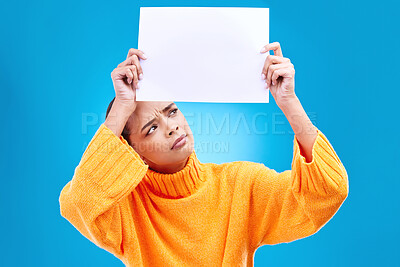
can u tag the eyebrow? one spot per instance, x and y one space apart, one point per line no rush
151 121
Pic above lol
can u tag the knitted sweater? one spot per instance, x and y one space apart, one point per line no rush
204 215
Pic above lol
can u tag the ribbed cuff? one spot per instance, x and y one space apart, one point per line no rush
110 165
324 173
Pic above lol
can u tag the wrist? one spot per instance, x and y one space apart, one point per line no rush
288 103
118 116
298 119
124 107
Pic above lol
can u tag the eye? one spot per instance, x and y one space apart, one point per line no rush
149 132
173 111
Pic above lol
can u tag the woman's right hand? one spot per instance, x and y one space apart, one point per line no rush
126 78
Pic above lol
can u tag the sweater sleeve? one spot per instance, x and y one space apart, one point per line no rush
108 171
297 203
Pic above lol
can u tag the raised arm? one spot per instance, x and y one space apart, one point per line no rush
278 73
110 169
107 173
295 203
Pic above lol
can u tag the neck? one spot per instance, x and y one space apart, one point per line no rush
170 168
177 184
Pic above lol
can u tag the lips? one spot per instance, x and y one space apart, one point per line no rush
178 139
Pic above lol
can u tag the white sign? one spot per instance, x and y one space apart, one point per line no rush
203 54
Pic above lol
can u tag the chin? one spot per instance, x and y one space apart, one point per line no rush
182 153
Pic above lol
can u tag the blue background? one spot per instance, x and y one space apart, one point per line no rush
56 60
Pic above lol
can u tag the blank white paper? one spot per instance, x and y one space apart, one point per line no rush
203 54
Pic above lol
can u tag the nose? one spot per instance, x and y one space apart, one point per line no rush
176 128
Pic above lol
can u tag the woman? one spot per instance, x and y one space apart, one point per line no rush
140 192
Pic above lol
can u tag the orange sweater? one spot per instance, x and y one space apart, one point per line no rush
204 215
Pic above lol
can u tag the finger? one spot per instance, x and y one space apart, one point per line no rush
120 74
135 75
275 46
132 60
135 61
273 68
272 60
137 52
286 72
128 61
129 75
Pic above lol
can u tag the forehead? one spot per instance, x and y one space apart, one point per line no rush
146 109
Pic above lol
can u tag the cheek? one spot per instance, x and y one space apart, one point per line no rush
154 145
186 126
141 145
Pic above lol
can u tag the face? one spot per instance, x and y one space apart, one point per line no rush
153 129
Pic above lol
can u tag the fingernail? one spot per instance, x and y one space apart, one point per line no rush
141 76
144 56
262 76
263 50
137 86
266 86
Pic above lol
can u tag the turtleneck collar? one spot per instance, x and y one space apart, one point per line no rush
179 184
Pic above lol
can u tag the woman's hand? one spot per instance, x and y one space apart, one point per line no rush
279 76
126 77
278 73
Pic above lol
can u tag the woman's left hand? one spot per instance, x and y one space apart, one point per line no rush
278 73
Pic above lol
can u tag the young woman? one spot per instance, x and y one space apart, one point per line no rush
140 192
